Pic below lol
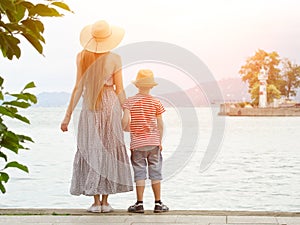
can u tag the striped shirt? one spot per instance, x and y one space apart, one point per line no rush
143 125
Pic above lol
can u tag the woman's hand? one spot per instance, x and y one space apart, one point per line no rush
65 123
64 127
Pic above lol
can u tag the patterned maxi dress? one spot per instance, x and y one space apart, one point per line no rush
101 164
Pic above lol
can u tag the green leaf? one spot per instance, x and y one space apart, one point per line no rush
7 5
12 109
19 104
29 85
12 46
34 27
2 11
10 27
2 155
4 177
10 141
15 164
34 42
22 118
6 112
1 81
39 25
20 12
9 135
27 5
2 188
11 16
12 146
3 128
31 97
62 6
26 97
24 137
1 96
43 10
9 46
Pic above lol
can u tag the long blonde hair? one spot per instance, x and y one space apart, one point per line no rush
94 75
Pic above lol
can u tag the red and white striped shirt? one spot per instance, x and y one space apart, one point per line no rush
144 110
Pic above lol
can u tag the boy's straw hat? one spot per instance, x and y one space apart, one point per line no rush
100 37
145 78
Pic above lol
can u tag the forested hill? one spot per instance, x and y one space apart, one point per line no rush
233 90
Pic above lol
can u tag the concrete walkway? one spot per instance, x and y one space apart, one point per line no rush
119 217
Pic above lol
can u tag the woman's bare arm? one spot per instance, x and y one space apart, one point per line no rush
76 94
126 120
118 81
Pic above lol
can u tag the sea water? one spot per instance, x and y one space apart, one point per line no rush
256 164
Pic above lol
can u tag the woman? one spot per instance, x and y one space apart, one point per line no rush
101 165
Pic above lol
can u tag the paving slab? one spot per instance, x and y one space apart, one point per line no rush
252 219
289 220
200 219
245 224
120 217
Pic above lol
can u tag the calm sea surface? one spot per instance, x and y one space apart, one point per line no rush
257 166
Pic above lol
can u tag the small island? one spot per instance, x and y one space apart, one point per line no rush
272 83
246 109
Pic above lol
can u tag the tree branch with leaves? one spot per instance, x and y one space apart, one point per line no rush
19 18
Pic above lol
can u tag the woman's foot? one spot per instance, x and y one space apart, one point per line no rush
106 208
94 208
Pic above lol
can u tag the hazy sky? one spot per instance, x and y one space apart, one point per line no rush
222 33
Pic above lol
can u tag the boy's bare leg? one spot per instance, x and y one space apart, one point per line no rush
156 189
140 187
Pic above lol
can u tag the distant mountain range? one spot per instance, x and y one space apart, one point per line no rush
53 99
230 90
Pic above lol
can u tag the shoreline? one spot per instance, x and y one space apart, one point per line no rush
227 109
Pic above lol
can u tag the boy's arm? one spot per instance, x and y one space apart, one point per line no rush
160 126
126 120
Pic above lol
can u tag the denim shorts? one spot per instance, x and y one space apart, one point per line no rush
141 159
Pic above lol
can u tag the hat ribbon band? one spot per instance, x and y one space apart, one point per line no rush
101 38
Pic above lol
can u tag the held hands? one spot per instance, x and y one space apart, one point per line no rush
127 128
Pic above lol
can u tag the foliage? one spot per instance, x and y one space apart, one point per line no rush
291 77
9 140
272 93
244 104
250 71
20 18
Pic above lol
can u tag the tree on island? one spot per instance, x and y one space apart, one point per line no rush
19 18
279 83
291 77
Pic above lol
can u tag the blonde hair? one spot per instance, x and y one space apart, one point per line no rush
93 78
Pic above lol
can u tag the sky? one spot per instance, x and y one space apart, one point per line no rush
221 33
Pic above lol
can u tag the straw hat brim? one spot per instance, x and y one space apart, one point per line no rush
144 84
88 42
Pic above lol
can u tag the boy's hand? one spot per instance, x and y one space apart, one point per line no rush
160 147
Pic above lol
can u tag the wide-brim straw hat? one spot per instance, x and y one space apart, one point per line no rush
100 37
145 78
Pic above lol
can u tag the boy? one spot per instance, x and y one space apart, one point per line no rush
143 118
